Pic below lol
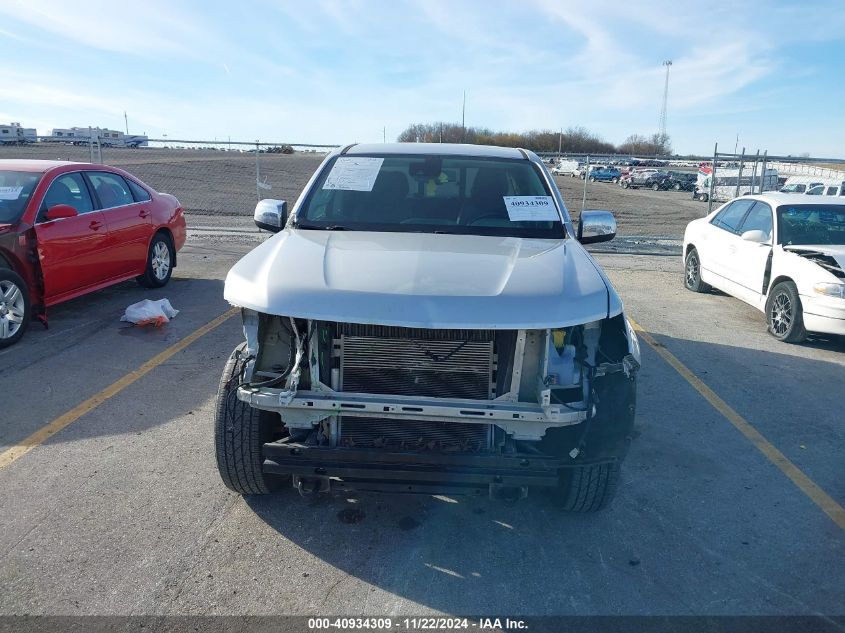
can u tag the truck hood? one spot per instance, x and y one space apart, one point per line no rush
422 280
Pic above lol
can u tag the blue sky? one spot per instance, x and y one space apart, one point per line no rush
332 72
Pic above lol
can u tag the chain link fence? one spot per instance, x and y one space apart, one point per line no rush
653 199
210 179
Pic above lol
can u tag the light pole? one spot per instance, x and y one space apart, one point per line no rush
668 64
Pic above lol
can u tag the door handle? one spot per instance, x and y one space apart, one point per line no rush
144 213
95 225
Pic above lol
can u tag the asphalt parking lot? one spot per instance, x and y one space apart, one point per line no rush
121 510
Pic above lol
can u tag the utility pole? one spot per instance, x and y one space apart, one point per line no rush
126 120
559 142
668 64
384 134
463 118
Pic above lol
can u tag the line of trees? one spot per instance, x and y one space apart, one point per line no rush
572 140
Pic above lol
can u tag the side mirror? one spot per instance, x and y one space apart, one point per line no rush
596 226
761 237
271 215
59 211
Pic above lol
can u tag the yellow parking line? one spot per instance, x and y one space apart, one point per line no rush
818 496
19 450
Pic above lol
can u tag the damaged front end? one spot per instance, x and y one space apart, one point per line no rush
450 411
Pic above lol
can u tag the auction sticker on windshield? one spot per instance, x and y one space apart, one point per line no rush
531 208
10 193
353 174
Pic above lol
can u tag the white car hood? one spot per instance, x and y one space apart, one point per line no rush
422 280
835 251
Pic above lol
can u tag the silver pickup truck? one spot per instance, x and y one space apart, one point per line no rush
425 319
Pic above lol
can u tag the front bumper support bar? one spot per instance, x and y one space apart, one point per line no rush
428 472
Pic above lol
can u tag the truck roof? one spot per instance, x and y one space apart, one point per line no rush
427 149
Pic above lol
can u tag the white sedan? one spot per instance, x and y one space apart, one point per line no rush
783 254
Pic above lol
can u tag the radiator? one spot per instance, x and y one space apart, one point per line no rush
427 367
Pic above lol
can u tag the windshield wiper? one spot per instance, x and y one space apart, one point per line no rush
321 227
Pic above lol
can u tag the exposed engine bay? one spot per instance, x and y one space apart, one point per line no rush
345 385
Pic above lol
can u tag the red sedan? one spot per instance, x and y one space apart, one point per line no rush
67 229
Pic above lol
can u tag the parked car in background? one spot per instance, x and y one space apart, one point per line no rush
67 229
681 181
604 174
781 253
463 342
800 187
800 184
579 171
657 181
638 178
565 167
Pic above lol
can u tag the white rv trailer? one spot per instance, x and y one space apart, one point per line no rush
15 134
725 185
105 137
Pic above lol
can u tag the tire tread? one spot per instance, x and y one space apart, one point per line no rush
238 436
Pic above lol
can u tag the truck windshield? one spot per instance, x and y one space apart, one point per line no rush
432 194
16 187
806 224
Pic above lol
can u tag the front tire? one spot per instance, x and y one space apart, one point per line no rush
160 258
15 310
692 273
589 488
784 314
240 433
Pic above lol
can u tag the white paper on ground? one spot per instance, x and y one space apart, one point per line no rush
353 173
531 208
10 193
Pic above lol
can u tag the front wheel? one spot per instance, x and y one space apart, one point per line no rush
692 273
614 180
160 260
15 310
240 433
592 178
703 197
676 186
655 187
589 488
784 314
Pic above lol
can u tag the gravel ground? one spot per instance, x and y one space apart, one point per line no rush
215 183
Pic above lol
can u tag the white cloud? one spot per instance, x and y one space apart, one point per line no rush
152 27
